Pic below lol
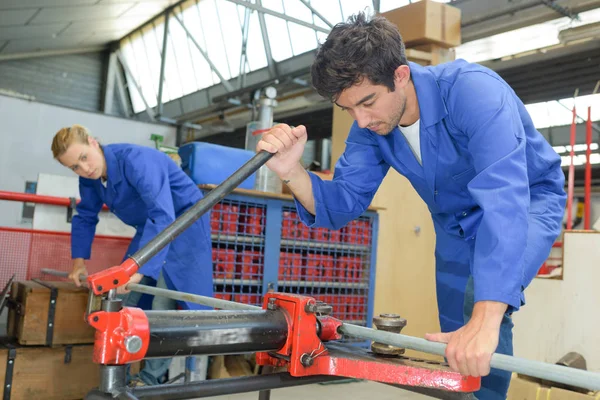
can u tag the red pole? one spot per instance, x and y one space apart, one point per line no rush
588 172
38 199
571 179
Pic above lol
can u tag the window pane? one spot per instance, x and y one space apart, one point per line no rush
303 38
183 59
255 48
231 31
128 56
214 46
191 18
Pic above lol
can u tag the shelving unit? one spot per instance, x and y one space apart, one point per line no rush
259 244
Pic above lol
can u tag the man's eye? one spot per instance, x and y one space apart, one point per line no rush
369 104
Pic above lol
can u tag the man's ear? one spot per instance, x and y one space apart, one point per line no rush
402 76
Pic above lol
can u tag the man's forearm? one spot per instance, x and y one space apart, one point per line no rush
490 312
298 181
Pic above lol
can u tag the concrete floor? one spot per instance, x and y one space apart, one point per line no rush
352 391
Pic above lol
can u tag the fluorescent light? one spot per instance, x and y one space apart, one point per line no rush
580 159
578 147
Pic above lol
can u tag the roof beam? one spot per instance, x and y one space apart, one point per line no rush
483 18
279 15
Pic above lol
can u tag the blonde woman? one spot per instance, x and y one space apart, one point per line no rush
145 189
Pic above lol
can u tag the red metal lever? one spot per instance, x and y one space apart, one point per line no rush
103 281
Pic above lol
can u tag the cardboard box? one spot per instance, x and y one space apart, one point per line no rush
427 22
28 318
438 54
524 388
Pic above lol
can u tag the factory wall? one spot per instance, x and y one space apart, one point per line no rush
75 80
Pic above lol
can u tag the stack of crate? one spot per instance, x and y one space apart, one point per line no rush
429 29
47 353
333 267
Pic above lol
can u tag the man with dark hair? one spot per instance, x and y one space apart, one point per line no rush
466 143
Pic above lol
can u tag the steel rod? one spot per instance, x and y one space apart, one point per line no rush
220 387
171 294
537 369
192 298
197 210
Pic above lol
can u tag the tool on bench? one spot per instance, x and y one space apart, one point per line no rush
290 330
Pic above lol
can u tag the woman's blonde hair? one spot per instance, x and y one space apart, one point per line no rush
66 137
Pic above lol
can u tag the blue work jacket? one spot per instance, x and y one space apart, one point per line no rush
493 184
147 190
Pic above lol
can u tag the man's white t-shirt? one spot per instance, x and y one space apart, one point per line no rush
411 133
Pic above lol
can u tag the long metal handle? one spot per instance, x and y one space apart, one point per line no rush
197 210
551 372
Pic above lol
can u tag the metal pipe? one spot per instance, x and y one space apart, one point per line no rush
192 298
318 14
224 81
38 199
171 294
537 369
197 210
113 378
163 62
279 15
219 387
184 333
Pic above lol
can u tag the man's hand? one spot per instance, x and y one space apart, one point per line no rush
135 278
470 348
78 269
288 145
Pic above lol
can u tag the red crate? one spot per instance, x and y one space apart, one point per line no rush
356 307
290 266
250 264
252 220
224 218
293 228
319 267
223 263
326 235
253 299
338 304
357 232
349 269
223 296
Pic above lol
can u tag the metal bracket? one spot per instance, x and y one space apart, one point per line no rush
68 353
15 305
72 206
51 310
3 298
10 365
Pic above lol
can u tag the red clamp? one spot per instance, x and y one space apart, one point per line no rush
304 347
121 337
305 352
112 278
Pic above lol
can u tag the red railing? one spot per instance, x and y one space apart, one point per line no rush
39 199
24 252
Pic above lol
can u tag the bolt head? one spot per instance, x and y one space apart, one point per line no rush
306 360
133 344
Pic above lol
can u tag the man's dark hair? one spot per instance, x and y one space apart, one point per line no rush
360 48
